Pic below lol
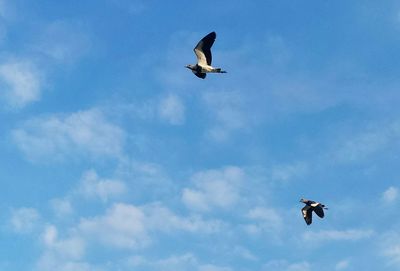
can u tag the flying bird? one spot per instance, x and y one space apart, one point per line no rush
204 57
311 206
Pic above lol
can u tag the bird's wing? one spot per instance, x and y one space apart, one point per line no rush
307 214
203 49
200 74
319 211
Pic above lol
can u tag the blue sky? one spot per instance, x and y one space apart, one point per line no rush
116 157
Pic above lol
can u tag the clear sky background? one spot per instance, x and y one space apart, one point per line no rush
115 157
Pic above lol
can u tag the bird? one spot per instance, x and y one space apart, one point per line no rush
311 206
204 57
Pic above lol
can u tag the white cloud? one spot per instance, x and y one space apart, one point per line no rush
267 220
144 176
227 110
92 186
284 265
360 146
72 248
390 195
24 220
214 189
342 265
159 218
336 235
21 82
62 254
50 263
244 253
393 253
63 41
127 226
390 248
123 226
172 110
286 172
83 132
211 267
174 263
61 207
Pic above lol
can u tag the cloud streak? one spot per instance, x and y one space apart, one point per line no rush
94 187
172 110
21 81
24 220
336 235
214 189
84 132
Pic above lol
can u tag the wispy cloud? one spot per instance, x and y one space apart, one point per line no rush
363 144
84 132
172 109
145 176
62 254
73 247
122 226
244 253
214 189
21 81
127 226
160 218
287 266
24 220
286 172
336 235
342 265
61 207
92 186
390 195
227 110
212 267
64 41
264 220
182 262
390 248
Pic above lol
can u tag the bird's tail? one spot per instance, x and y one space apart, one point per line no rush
219 70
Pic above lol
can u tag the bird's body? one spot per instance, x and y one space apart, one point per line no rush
204 57
311 206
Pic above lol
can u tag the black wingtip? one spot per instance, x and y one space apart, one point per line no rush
212 35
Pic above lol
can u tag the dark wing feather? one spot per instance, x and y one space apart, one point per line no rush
200 75
307 214
319 211
204 47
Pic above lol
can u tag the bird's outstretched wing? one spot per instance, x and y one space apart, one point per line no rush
307 214
203 49
200 74
319 211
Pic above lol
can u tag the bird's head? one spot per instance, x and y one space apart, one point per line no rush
303 200
190 67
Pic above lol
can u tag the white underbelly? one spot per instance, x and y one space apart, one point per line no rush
205 69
